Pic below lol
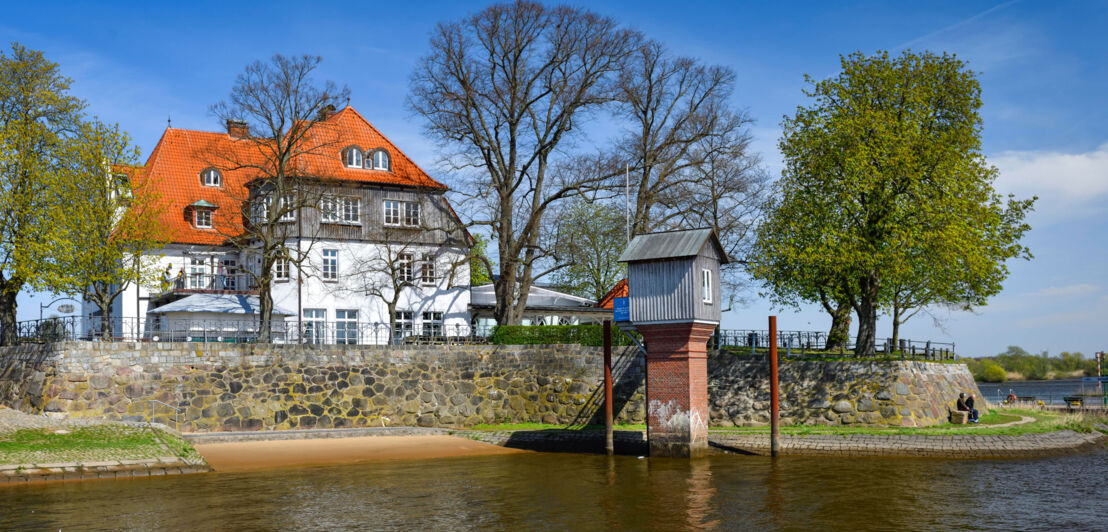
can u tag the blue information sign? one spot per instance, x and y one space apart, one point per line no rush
621 309
1086 379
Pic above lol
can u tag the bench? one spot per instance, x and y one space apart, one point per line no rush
959 417
1074 400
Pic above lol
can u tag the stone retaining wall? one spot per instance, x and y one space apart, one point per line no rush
220 387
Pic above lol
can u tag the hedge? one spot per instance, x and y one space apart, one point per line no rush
592 335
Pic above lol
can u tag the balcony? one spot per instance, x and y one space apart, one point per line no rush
206 283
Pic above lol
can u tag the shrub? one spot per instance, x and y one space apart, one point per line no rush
993 373
592 335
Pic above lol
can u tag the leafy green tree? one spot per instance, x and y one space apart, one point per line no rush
885 187
590 238
111 220
36 116
479 263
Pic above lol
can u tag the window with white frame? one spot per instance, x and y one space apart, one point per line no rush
353 157
211 178
202 218
351 210
288 212
403 321
329 209
281 269
259 210
381 160
427 270
392 212
330 264
432 324
346 326
314 324
411 214
401 213
198 270
706 285
405 270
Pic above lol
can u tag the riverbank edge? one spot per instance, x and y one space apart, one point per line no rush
843 445
631 442
19 474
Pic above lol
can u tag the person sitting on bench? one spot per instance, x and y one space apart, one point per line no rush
971 409
963 407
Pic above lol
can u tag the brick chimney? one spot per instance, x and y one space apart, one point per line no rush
237 128
325 113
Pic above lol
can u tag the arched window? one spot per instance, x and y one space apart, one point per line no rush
211 178
380 160
353 157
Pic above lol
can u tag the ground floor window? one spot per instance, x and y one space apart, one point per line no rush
314 325
432 324
403 327
346 326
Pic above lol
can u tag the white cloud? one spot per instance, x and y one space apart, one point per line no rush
1069 185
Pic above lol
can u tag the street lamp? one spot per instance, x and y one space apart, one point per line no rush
64 309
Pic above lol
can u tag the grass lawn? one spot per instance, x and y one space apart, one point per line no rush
92 443
1044 422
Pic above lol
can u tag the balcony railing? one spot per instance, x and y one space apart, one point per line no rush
210 282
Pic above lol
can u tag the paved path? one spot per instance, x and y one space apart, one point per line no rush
950 446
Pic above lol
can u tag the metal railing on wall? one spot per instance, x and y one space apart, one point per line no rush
790 343
246 331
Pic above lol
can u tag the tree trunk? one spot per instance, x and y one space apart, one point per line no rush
896 329
866 344
839 334
265 311
9 289
392 321
105 306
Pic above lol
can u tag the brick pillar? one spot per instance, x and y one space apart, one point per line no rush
677 388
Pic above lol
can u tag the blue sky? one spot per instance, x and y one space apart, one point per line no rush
1041 65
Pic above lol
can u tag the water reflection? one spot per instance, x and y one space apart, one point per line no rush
590 492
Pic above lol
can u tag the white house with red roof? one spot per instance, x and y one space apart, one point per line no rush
375 207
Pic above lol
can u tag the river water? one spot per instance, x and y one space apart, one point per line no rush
1050 392
535 491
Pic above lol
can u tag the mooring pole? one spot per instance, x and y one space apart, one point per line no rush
609 442
774 437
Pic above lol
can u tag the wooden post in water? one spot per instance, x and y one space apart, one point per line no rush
774 436
609 442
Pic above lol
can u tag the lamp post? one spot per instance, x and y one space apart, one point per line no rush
42 307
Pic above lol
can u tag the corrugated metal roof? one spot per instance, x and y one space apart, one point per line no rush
671 245
221 303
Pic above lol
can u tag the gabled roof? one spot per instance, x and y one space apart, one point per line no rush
672 245
621 289
174 166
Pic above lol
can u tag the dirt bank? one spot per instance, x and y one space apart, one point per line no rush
255 455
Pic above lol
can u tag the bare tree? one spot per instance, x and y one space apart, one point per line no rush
411 261
681 131
727 192
502 90
276 113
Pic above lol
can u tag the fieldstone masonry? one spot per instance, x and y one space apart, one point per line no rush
225 387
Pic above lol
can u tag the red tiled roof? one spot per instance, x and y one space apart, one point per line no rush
174 167
621 289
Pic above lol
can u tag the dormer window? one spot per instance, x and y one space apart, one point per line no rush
211 178
353 157
203 218
202 214
379 160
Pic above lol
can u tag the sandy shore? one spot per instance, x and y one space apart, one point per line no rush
255 455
